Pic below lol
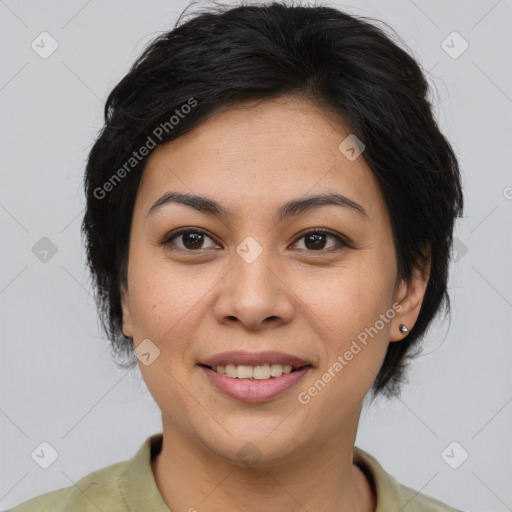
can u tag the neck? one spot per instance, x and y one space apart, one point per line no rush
191 477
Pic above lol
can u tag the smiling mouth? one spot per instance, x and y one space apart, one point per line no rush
259 372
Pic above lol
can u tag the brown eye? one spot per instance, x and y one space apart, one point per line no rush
191 240
315 241
318 240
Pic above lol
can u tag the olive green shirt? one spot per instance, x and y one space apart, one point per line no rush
130 486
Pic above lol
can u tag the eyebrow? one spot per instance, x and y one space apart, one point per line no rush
289 209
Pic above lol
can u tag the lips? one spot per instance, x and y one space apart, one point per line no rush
255 359
252 387
254 391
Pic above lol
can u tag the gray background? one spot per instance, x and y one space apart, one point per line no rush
58 383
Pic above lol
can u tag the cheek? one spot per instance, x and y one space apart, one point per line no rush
166 308
345 300
166 300
354 340
352 315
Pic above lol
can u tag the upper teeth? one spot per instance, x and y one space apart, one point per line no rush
242 371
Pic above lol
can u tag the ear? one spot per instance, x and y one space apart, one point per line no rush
125 307
410 297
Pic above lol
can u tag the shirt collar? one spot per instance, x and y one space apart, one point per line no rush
137 482
385 486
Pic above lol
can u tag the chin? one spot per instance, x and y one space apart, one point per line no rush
256 444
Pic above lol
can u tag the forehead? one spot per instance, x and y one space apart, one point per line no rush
261 153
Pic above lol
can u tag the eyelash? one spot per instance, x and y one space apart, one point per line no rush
341 242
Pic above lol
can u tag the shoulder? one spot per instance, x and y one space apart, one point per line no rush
120 487
415 501
97 490
391 495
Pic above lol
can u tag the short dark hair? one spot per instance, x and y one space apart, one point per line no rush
342 63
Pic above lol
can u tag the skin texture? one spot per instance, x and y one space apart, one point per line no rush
293 298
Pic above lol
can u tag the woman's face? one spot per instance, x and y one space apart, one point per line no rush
256 279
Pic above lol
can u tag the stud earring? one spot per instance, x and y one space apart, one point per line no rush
403 329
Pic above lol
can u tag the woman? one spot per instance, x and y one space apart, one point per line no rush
270 208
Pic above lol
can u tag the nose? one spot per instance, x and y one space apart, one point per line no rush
254 295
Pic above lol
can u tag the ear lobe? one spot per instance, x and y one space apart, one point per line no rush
127 318
410 297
